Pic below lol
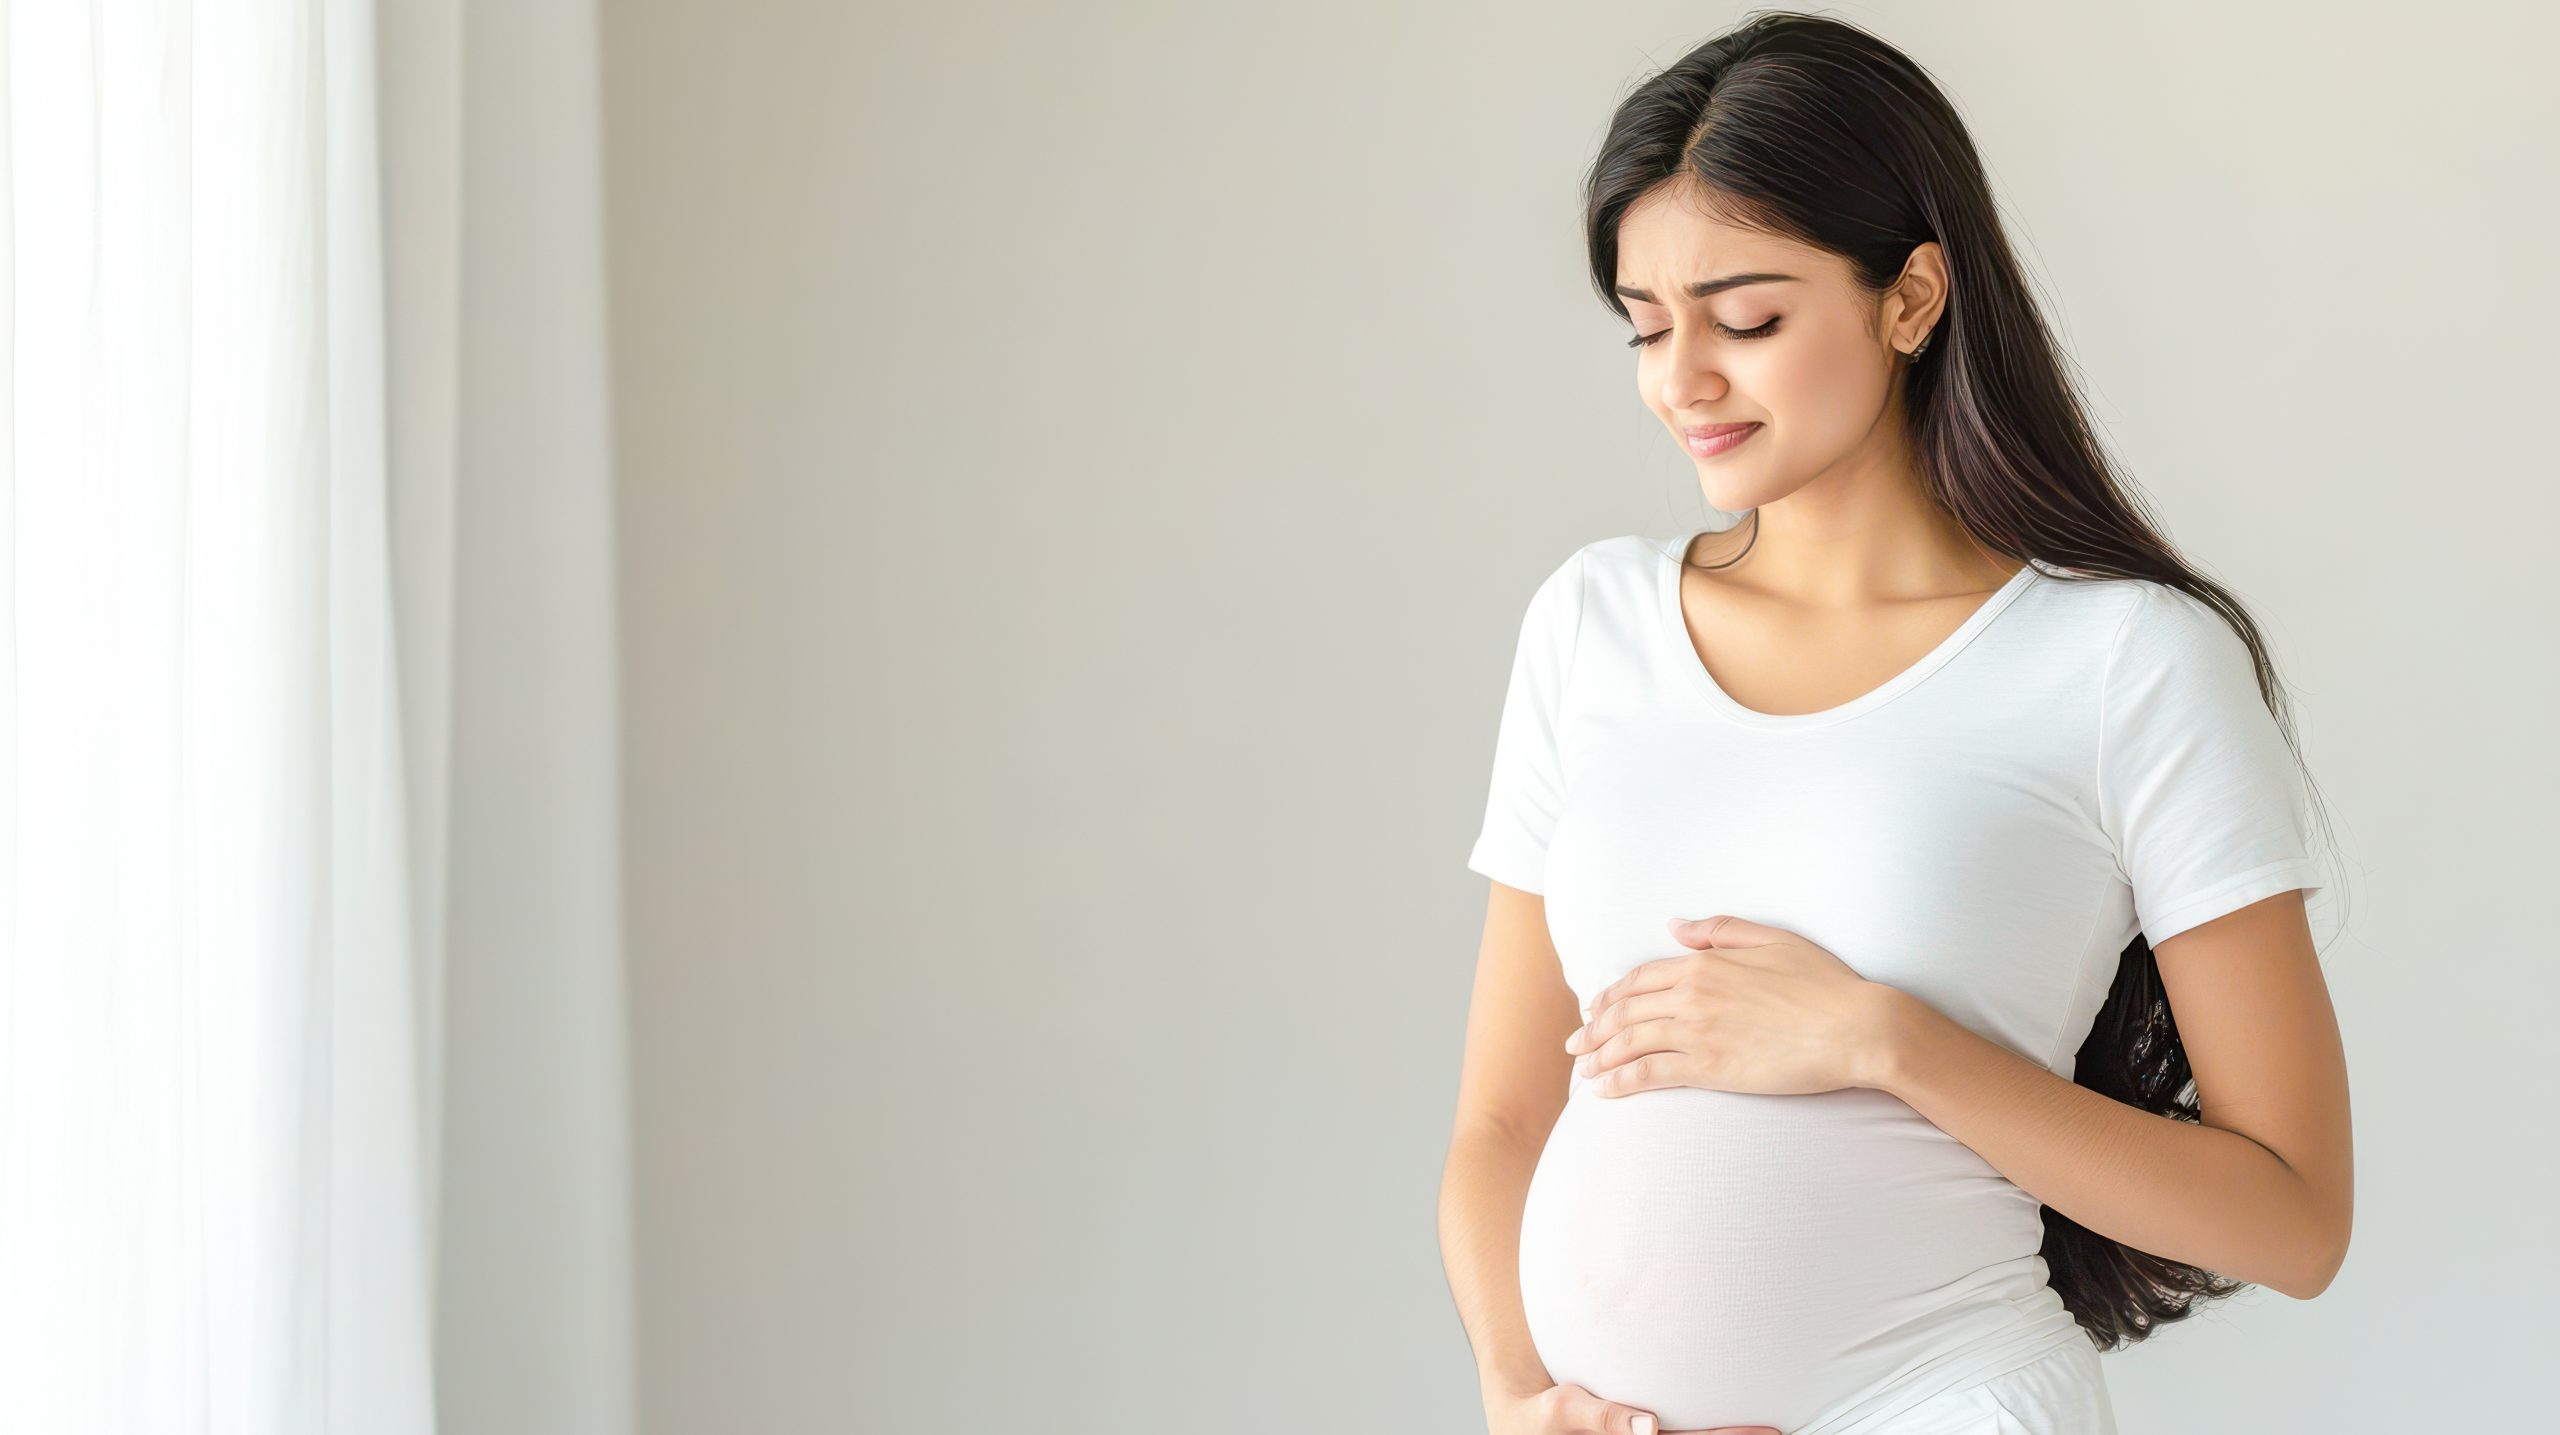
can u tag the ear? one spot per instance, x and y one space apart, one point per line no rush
1918 298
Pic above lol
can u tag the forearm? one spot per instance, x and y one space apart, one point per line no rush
2184 1191
1482 1191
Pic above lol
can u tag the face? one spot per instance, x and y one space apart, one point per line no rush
1809 359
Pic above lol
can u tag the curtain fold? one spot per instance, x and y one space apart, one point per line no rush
501 429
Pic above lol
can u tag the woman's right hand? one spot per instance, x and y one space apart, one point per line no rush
1572 1410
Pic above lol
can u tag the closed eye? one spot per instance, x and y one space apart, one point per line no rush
1762 332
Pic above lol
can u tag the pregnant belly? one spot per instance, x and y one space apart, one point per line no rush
1726 1259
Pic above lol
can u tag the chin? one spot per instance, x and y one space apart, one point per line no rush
1733 499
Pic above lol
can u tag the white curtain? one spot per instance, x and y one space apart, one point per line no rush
278 632
213 1180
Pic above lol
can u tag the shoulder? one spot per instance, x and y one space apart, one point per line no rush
1602 566
1612 558
2176 660
1629 566
1619 581
2131 617
1634 550
1606 585
2164 626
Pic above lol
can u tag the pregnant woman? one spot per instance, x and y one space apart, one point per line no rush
1872 873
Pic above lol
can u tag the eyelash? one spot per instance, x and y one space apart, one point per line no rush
1764 331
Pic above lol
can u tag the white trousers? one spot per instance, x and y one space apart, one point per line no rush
2064 1393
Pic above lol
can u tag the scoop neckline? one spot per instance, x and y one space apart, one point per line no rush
1674 633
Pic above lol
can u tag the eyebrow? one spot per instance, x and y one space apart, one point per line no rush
1705 287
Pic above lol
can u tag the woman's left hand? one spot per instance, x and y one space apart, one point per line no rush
1754 1009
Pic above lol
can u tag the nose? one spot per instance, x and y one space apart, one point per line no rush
1690 376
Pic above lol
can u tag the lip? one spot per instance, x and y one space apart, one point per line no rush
1709 439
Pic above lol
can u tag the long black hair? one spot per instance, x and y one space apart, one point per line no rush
1814 130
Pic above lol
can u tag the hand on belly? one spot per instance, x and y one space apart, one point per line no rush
1561 1408
1751 1008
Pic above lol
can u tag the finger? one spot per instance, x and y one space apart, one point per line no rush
1606 1022
1641 1039
1651 1071
1649 976
1724 931
1582 1410
1731 1430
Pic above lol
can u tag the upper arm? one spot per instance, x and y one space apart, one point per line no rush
1516 1072
2253 1012
2204 804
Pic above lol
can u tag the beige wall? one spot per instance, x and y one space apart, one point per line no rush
1080 469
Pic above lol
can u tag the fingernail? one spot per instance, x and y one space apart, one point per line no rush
1644 1425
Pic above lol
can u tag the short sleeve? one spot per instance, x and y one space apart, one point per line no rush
2196 788
1526 793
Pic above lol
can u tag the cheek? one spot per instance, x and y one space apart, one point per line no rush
1818 387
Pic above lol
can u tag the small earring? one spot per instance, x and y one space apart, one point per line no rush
1917 349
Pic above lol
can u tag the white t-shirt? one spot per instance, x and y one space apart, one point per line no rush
2081 760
